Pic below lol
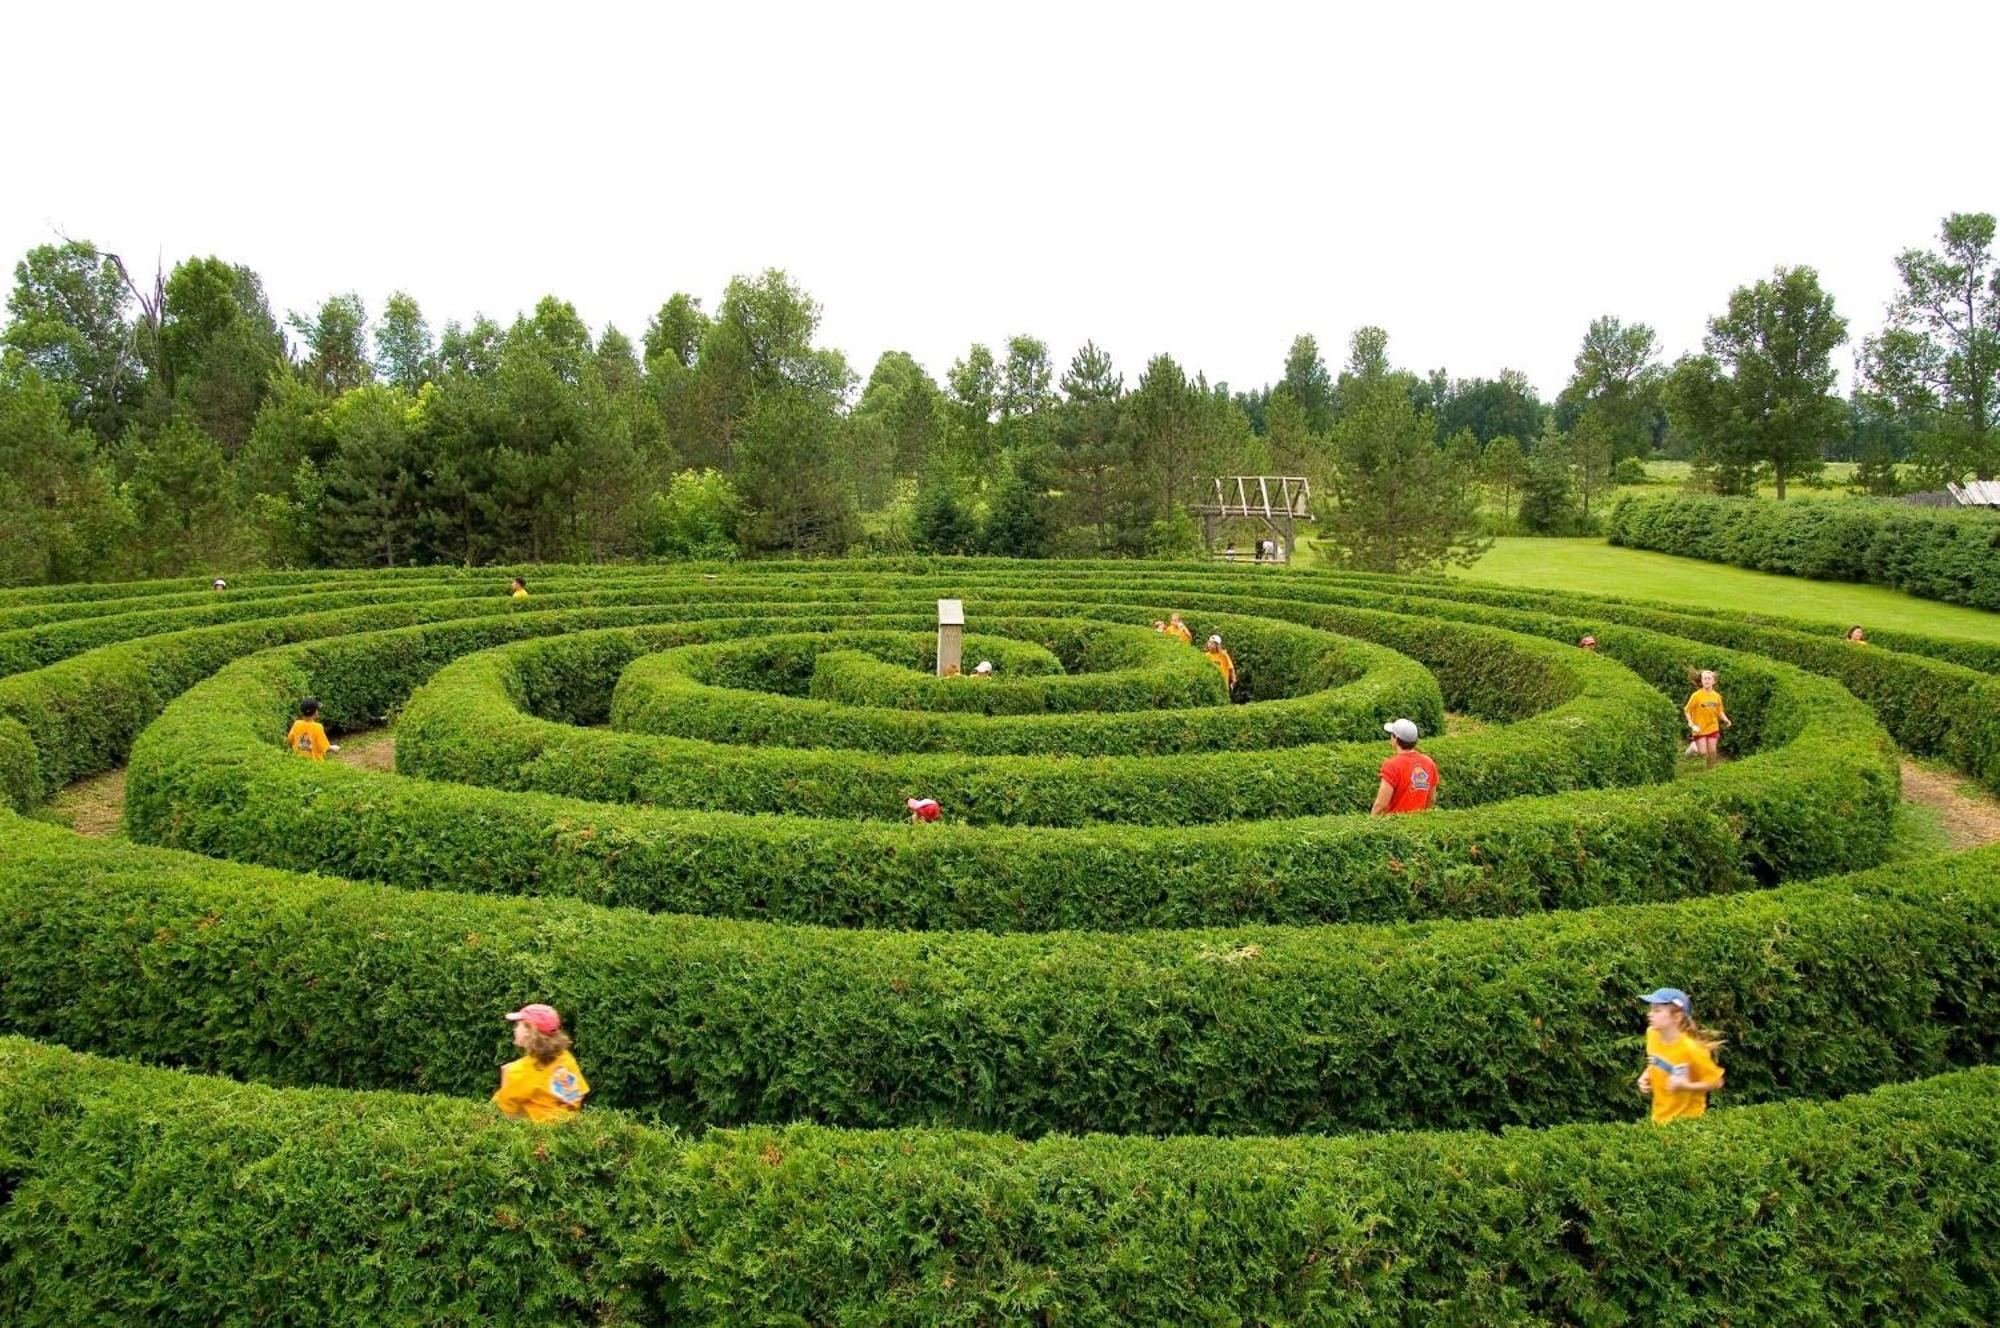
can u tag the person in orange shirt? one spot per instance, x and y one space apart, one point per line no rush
545 1084
1706 719
1220 658
1175 627
1680 1068
307 736
1409 778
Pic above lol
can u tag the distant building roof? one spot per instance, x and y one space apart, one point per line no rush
1976 493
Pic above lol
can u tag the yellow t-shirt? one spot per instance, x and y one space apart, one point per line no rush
1182 631
1222 661
1676 1103
541 1092
1704 711
307 737
521 594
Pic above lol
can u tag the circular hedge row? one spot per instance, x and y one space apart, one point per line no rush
668 801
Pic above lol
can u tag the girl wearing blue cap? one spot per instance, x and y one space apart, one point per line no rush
1680 1068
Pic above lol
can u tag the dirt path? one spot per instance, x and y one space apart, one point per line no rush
1968 815
368 749
94 806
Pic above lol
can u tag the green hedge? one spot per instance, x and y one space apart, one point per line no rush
1302 687
1944 555
143 952
1931 705
466 727
1104 668
209 776
143 1195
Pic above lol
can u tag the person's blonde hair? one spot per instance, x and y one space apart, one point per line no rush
545 1047
1704 1038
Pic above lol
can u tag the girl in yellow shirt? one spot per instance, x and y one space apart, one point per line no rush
1220 658
545 1084
1680 1068
1706 718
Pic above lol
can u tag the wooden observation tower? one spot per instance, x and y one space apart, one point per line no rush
1279 501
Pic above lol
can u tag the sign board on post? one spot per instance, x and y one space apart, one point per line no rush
951 635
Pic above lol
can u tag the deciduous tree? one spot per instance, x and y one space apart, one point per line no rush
1938 359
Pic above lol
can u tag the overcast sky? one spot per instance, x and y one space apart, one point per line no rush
1207 180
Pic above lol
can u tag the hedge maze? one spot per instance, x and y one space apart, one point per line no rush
1155 1025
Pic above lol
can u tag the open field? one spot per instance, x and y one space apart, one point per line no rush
1592 566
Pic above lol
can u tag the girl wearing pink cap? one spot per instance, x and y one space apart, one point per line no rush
546 1084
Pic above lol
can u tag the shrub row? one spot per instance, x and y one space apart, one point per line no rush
1103 669
1793 824
1929 704
253 1205
1302 687
465 727
209 776
1820 988
1944 555
82 712
256 1204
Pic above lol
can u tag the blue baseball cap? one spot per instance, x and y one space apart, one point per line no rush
1670 996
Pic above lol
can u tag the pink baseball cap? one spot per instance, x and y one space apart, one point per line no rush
541 1018
927 808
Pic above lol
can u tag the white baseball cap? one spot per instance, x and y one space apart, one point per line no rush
1215 640
983 666
1402 730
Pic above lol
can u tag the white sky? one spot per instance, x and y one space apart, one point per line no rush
1206 180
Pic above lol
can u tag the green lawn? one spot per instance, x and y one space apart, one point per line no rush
1595 567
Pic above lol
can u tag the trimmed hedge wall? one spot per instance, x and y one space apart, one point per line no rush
466 727
143 952
137 1195
208 777
1301 686
1944 555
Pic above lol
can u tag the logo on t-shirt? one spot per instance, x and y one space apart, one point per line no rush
1420 779
305 742
563 1084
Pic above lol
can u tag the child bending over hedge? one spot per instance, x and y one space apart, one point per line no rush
1680 1068
546 1084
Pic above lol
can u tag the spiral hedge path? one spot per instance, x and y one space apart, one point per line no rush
1154 1026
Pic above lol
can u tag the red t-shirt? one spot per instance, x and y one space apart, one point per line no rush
1414 777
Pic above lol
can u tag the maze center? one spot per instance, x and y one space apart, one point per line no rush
1153 964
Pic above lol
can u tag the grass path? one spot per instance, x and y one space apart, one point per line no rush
1592 566
1965 815
368 749
94 806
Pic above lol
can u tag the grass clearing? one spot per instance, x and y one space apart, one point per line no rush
1689 584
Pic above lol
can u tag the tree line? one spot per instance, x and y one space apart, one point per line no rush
178 424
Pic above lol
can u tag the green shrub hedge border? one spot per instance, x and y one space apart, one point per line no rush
138 1194
145 952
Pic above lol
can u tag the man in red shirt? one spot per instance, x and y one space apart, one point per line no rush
1409 778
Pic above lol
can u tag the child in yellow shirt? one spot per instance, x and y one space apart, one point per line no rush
1680 1068
1706 719
307 736
1220 658
518 588
545 1084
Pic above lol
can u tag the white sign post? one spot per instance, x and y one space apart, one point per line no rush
951 635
